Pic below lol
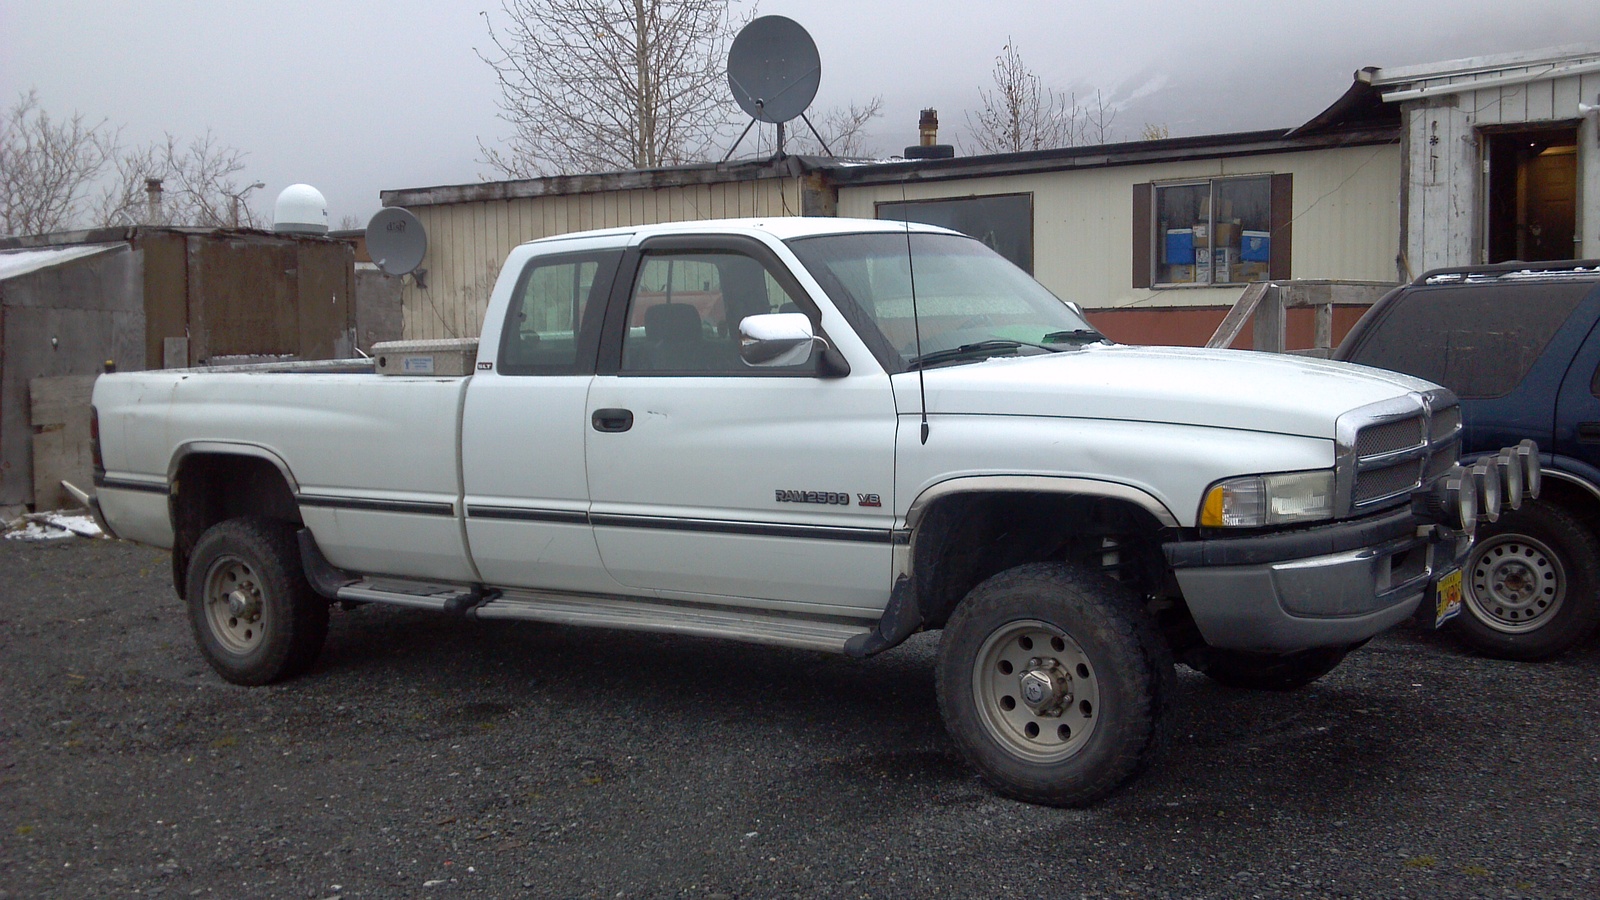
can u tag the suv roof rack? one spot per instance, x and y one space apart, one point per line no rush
1557 268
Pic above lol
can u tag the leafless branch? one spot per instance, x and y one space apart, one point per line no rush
1020 114
600 85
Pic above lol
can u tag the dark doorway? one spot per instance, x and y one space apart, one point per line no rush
1533 194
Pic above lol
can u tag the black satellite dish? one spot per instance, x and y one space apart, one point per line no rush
774 72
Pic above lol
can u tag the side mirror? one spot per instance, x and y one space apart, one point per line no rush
776 339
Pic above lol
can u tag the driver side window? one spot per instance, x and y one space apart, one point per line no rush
685 309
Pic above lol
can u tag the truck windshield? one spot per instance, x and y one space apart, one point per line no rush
971 302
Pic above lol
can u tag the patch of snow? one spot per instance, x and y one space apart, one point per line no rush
20 262
52 526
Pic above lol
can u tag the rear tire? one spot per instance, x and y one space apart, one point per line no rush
1530 588
1270 671
1054 684
254 616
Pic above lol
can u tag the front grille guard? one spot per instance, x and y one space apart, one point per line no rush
1422 457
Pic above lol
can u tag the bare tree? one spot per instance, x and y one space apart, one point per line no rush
1020 114
1154 132
596 85
48 168
843 129
201 185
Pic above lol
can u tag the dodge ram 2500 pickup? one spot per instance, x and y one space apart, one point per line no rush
827 434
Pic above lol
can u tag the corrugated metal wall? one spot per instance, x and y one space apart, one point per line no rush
467 242
1346 220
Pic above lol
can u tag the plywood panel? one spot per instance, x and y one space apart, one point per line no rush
61 443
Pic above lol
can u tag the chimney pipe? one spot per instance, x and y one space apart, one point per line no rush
928 146
152 194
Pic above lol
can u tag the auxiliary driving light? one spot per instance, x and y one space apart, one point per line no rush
1486 480
1452 500
1528 452
1510 478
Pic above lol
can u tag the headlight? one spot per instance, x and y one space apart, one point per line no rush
1257 500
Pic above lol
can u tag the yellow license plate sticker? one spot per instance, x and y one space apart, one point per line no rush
1448 599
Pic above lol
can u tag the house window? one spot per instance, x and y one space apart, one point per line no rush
1002 221
1212 231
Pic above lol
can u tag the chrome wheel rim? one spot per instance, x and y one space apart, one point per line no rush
1516 583
1036 691
234 604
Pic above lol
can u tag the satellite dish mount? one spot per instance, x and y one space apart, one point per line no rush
774 71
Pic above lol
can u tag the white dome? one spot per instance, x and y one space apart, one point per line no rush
301 209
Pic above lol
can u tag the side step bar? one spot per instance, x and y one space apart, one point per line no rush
644 615
632 614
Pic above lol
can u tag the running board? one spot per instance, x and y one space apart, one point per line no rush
644 615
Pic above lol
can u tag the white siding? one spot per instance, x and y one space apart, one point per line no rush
468 241
1447 204
1346 220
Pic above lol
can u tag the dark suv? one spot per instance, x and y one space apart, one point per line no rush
1518 344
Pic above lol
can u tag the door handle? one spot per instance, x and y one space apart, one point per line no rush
612 420
1589 432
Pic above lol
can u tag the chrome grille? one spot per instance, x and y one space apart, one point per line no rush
1389 437
1445 423
1389 449
1375 485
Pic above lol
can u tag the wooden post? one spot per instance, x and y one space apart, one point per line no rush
1270 334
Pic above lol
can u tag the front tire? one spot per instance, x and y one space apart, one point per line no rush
254 616
1054 684
1530 588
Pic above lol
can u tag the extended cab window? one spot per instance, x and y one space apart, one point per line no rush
1477 340
686 307
552 326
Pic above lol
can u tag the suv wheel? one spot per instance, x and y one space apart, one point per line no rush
1529 587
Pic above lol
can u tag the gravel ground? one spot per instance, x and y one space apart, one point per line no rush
430 757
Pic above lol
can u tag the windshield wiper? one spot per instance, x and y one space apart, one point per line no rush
1075 336
975 350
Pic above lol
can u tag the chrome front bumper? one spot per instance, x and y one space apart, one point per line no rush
1293 602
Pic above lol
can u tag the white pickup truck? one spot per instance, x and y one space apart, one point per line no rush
826 434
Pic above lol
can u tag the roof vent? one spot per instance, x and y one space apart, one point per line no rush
301 209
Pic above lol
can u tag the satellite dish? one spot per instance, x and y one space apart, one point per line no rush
774 69
396 241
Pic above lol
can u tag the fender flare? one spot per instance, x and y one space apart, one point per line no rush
1037 484
230 448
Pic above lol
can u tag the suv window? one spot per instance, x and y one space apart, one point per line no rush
1478 340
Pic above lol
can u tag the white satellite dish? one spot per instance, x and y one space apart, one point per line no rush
301 209
396 241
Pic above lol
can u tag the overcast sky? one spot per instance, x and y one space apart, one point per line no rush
358 96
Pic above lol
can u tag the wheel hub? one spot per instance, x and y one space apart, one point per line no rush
1045 687
243 605
1036 691
1517 584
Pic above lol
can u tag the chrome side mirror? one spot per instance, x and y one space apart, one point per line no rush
776 339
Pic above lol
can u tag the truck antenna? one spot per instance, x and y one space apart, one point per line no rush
916 323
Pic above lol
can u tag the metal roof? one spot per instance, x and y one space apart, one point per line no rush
15 263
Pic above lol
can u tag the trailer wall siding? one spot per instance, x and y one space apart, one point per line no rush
1346 220
468 241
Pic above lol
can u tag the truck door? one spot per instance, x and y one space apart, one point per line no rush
524 425
713 481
